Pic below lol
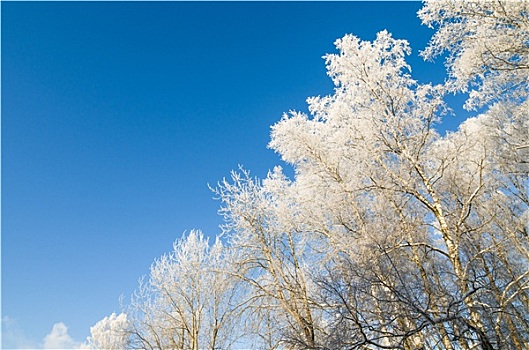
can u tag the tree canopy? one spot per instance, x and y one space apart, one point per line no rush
390 235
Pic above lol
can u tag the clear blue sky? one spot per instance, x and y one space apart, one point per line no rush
116 116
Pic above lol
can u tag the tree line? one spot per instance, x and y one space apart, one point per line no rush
390 235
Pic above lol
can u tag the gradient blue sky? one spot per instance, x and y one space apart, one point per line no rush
116 116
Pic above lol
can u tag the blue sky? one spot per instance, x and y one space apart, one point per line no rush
117 115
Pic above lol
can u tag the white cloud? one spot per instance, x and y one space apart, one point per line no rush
13 337
59 338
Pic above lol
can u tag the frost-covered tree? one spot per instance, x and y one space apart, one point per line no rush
486 43
111 333
488 55
190 300
359 159
415 216
273 259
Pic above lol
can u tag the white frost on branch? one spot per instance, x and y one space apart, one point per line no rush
487 44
